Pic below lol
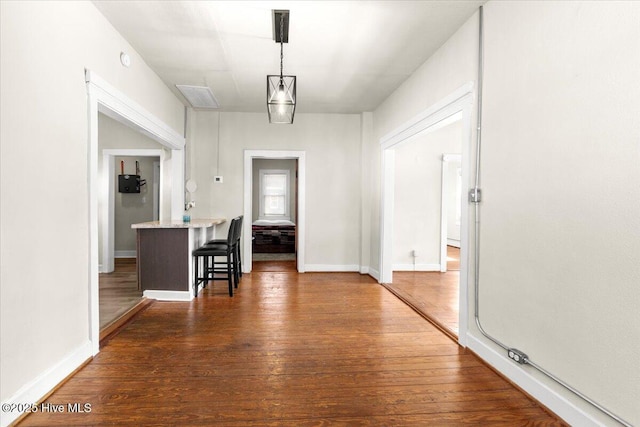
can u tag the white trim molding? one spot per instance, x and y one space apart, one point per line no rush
120 107
335 268
416 267
47 381
430 119
170 295
550 398
375 274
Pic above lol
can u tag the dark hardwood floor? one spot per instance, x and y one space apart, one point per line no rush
289 349
118 291
274 262
274 266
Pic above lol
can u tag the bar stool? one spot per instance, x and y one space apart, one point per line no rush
216 270
237 255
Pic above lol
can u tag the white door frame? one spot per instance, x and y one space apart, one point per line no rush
104 98
447 159
157 194
457 106
107 199
249 155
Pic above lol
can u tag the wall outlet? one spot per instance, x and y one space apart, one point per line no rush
217 179
517 356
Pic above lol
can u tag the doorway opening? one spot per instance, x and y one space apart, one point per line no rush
432 258
274 200
451 211
104 98
274 217
427 218
118 281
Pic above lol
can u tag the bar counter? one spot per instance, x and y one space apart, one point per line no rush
165 264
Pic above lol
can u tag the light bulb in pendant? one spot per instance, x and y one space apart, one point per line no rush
281 97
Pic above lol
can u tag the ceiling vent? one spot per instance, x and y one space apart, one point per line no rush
199 97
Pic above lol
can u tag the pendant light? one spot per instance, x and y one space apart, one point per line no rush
281 89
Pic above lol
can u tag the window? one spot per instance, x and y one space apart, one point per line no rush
274 194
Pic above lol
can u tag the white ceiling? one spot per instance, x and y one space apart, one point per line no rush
348 56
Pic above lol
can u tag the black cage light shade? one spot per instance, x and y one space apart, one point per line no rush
281 89
281 98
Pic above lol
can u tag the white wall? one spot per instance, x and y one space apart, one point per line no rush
561 173
132 208
44 50
418 200
332 146
114 135
560 220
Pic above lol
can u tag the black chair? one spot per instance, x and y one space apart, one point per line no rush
239 235
237 256
216 270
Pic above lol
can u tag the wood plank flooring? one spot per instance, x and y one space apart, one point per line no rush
453 258
274 266
118 291
434 295
289 349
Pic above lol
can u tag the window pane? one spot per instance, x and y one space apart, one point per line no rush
275 184
274 193
274 205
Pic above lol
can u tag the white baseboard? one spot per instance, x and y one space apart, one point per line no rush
125 254
416 267
364 270
453 242
44 383
549 397
374 273
332 268
168 295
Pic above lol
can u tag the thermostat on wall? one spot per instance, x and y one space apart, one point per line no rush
217 179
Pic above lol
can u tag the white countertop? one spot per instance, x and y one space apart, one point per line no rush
194 223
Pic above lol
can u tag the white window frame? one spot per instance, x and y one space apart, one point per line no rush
287 194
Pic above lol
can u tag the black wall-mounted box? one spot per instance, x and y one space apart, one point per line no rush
129 183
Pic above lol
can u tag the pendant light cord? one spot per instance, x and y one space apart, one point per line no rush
281 44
